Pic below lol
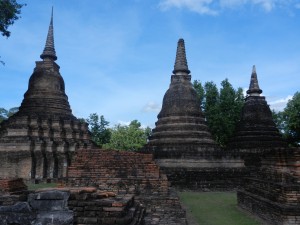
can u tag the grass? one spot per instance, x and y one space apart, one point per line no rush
32 186
215 208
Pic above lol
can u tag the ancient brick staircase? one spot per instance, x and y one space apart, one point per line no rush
124 172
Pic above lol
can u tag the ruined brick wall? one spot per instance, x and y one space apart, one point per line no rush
218 170
129 173
91 207
121 171
12 185
206 179
15 163
273 191
65 206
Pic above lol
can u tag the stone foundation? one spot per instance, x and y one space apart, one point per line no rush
66 206
92 208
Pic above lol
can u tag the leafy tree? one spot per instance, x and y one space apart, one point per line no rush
230 106
222 108
130 138
200 91
98 127
10 11
288 121
278 119
5 114
211 107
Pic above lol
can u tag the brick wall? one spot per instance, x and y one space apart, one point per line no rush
129 173
92 207
121 171
272 192
12 185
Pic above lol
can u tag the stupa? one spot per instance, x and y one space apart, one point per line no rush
181 142
39 140
181 129
271 190
256 129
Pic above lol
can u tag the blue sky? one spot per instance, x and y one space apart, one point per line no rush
117 56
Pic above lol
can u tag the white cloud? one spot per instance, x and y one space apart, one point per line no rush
279 104
199 6
212 7
124 123
151 107
266 4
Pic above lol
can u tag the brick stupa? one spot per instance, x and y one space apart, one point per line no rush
272 189
181 142
256 129
181 130
40 139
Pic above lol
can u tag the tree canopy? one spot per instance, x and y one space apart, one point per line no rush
288 121
130 138
10 11
98 127
222 108
5 114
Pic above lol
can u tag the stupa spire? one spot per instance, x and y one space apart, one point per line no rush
49 50
181 66
254 89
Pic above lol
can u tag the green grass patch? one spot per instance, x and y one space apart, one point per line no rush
33 187
215 208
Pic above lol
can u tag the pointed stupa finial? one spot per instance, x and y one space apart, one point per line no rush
49 50
254 89
181 66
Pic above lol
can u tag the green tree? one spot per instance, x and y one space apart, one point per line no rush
5 114
10 11
98 127
230 106
200 91
278 119
211 108
130 138
291 120
222 108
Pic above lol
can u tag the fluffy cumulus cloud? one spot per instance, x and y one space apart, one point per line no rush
213 7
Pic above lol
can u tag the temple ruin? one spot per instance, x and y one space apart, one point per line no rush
181 130
44 140
182 143
256 128
39 140
272 189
